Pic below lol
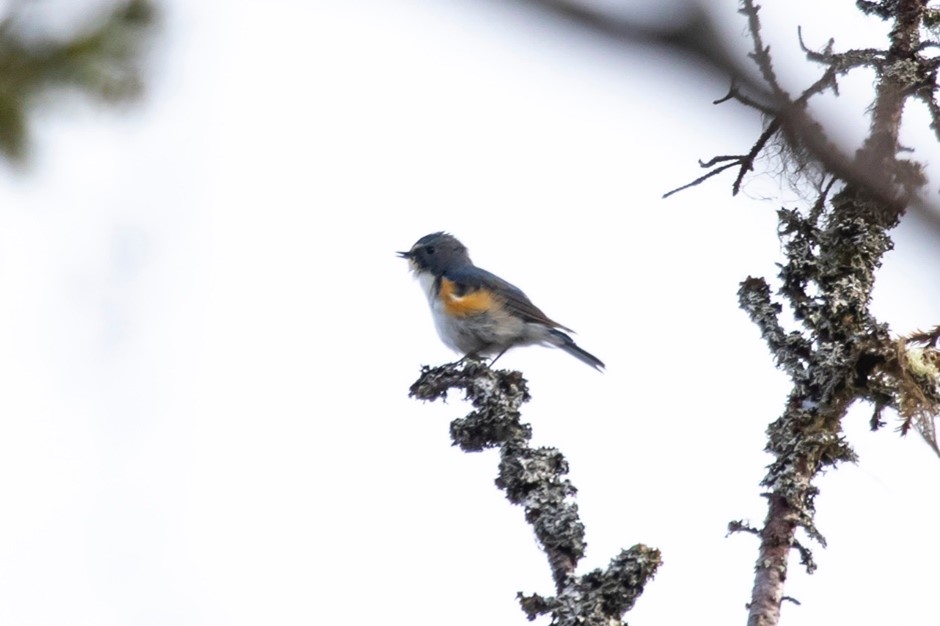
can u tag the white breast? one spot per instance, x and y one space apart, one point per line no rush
426 280
442 322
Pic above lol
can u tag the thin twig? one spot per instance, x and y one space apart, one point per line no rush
747 163
701 179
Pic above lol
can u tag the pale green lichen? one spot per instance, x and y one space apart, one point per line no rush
920 364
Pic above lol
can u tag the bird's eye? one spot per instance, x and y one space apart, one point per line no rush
429 249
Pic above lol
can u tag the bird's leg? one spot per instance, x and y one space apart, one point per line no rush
499 355
477 355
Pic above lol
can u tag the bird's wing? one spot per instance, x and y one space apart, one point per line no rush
511 297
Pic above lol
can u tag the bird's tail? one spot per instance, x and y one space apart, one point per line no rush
567 344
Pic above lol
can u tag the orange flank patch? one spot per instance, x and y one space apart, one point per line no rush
472 303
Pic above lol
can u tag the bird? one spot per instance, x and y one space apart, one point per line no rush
477 313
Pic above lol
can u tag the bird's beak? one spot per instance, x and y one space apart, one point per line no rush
404 255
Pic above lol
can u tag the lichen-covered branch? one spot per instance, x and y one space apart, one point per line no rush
839 353
831 258
534 478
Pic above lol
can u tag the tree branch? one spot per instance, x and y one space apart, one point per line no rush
534 479
696 38
844 353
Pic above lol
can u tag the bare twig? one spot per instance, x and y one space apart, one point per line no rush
698 40
703 178
928 338
744 162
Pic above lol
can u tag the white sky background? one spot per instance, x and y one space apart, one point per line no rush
208 339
